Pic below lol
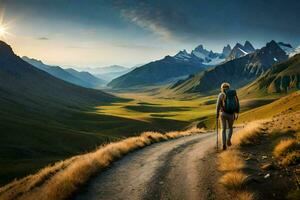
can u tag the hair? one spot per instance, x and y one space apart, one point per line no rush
224 86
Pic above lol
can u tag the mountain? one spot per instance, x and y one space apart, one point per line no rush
110 72
295 51
209 57
160 71
286 47
238 72
78 78
44 119
226 51
20 79
240 50
282 77
171 68
88 78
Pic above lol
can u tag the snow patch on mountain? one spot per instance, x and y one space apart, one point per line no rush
295 51
183 55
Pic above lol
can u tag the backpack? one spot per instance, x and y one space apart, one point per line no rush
231 103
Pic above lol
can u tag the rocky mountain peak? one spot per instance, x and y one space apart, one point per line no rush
249 47
226 50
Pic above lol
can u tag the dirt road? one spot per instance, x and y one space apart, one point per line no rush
176 169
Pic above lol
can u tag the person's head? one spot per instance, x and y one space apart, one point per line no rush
225 86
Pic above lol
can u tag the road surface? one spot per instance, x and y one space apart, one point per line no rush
175 169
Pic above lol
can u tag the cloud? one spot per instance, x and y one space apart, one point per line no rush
43 38
164 19
143 19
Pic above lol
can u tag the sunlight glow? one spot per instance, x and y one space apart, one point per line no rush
3 26
3 31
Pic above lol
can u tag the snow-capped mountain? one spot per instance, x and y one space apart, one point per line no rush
240 50
203 56
183 55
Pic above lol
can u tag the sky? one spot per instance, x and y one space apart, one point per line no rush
96 33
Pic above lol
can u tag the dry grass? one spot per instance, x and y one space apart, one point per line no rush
64 178
230 160
292 158
249 134
285 146
234 180
245 195
19 187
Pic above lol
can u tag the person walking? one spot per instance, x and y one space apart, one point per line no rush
228 105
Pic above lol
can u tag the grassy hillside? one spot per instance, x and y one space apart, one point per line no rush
281 78
291 102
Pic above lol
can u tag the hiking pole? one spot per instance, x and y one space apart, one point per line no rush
217 127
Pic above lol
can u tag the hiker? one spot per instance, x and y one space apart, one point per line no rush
228 104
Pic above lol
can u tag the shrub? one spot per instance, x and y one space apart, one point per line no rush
234 180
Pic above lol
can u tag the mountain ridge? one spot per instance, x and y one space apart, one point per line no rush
83 79
239 71
280 78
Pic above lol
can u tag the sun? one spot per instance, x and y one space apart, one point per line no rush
3 31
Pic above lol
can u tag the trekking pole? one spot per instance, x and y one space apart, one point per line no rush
217 127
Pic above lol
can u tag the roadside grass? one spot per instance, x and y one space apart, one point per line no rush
234 180
230 160
292 158
245 195
287 151
64 178
232 163
285 146
249 134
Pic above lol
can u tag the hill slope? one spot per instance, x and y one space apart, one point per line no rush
83 79
282 77
157 72
42 118
90 80
238 72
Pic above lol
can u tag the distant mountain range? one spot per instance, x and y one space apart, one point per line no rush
184 64
110 72
160 71
84 79
239 71
170 68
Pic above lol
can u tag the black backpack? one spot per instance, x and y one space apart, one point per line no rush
231 102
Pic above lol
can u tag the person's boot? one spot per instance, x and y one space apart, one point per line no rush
224 147
228 143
